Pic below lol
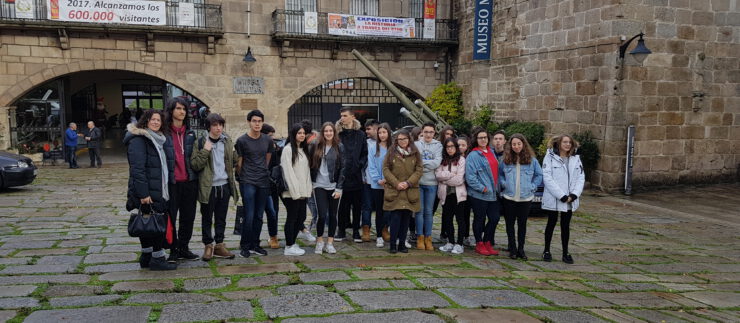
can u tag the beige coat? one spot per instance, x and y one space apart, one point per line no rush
397 169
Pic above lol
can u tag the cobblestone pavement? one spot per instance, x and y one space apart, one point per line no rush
668 256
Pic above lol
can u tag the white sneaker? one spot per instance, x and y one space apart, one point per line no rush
294 250
469 241
306 235
330 248
319 248
446 248
458 249
380 243
407 244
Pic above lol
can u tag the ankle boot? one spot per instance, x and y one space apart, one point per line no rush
161 263
208 252
144 259
365 233
420 244
428 243
274 244
386 234
393 248
221 251
481 249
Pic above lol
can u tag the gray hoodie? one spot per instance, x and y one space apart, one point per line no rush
431 157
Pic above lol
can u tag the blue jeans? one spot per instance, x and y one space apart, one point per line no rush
424 218
271 211
367 204
255 199
71 157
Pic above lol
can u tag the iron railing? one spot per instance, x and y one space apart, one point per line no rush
206 16
290 22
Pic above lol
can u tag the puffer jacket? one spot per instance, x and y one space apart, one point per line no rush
560 180
397 169
452 175
333 164
530 176
188 141
355 154
145 169
202 163
479 177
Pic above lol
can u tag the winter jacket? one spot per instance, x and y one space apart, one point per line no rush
397 169
431 156
188 141
375 166
202 164
70 138
96 135
297 176
355 154
478 177
333 164
452 175
561 180
145 169
530 176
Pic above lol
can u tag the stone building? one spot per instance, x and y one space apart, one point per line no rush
551 61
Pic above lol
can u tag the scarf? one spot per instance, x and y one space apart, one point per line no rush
403 152
158 140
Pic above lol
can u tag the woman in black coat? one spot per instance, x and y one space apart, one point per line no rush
149 173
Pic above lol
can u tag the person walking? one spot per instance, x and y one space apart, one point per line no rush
254 151
452 195
94 137
184 185
214 159
431 155
481 176
297 176
70 144
354 159
520 174
564 179
402 169
327 176
375 155
149 171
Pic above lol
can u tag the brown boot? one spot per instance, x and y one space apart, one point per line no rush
420 243
208 252
274 244
386 234
365 233
221 251
428 243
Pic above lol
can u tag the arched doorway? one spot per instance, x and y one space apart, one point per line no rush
109 98
367 97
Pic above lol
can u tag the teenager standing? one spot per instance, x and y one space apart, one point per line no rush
452 195
297 176
354 160
375 155
402 169
328 178
481 176
431 155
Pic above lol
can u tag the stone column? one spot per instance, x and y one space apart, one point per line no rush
7 118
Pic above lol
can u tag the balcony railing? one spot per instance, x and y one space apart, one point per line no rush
289 24
206 18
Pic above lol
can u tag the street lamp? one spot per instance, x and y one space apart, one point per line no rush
249 58
639 53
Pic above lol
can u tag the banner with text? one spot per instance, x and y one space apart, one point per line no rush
482 30
130 12
430 13
353 25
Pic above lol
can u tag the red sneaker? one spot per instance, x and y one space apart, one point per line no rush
489 247
481 249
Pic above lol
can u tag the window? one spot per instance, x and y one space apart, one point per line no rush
416 8
298 5
364 7
294 14
143 96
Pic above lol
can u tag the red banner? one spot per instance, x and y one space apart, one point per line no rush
430 9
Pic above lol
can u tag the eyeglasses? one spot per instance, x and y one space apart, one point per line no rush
399 139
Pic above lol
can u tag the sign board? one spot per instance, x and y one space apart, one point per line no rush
128 12
24 9
482 29
354 25
249 85
186 14
310 23
430 14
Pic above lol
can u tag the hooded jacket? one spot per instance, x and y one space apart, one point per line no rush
188 141
431 157
355 154
560 180
202 163
145 169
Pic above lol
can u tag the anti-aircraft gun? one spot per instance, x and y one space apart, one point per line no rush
417 111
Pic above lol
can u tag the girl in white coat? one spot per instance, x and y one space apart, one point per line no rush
297 176
564 179
452 194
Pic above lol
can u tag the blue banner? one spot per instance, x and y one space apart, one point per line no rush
482 31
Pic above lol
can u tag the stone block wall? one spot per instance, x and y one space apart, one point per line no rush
556 62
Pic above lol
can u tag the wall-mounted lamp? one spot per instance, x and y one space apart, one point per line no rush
436 66
639 53
249 58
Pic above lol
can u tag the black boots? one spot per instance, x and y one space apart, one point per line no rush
144 259
161 263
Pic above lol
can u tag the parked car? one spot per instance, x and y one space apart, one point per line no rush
16 170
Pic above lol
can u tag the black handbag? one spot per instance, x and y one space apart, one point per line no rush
276 179
151 224
239 220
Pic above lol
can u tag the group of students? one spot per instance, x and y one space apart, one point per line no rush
342 170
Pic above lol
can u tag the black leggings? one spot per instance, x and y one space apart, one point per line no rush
327 207
399 223
295 216
449 210
516 212
552 219
351 200
381 217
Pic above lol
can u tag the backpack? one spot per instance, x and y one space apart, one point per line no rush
276 179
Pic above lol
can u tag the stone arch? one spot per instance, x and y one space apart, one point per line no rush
32 81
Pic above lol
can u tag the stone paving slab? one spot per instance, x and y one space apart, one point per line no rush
403 316
259 269
161 298
720 278
206 283
304 304
154 275
635 299
17 290
458 282
263 281
492 298
384 262
37 269
59 260
146 285
100 258
6 315
18 302
38 244
396 299
568 316
482 315
82 300
378 274
657 316
72 290
15 261
47 252
323 276
108 314
110 268
479 273
206 312
403 284
717 299
247 294
570 299
614 315
299 289
41 279
362 285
